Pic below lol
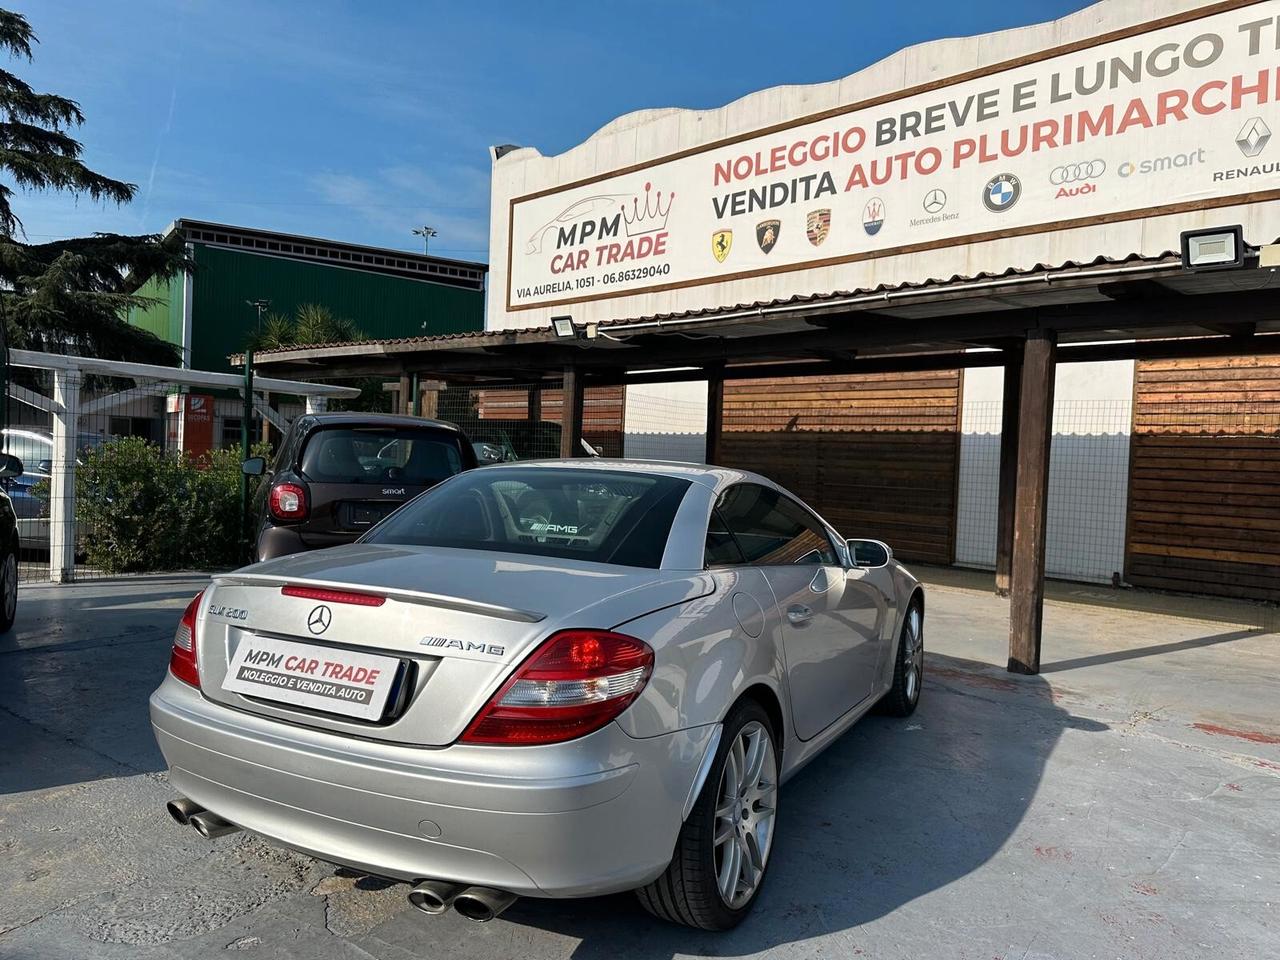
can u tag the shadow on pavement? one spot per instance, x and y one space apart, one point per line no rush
75 675
893 810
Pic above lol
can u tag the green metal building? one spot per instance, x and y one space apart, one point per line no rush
387 293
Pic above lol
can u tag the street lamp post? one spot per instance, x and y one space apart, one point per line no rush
426 233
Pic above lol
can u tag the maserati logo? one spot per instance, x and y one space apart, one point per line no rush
935 200
1253 137
318 619
721 244
873 216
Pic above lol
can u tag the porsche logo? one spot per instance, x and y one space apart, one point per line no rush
818 225
721 244
767 234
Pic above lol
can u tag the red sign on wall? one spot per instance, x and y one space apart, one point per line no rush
191 422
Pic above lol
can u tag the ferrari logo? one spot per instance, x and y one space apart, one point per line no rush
721 244
767 234
818 225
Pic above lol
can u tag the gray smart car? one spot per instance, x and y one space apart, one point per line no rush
554 679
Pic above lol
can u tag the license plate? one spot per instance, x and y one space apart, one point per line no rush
320 678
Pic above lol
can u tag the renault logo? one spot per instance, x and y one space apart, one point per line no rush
318 619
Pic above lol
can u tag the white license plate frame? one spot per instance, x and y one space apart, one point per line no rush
348 683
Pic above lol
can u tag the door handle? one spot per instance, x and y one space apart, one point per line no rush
798 613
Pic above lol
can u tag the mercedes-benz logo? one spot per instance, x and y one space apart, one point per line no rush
318 619
935 200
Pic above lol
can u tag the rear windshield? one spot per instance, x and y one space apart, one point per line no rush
597 515
379 455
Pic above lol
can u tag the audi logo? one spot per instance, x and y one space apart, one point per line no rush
1076 172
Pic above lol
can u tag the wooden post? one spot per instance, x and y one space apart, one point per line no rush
1008 471
404 396
571 414
715 413
535 403
1035 432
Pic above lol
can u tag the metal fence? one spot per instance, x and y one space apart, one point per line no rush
67 414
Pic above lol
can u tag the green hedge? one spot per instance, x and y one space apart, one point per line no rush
139 508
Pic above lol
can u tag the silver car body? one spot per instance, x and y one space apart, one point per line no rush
593 815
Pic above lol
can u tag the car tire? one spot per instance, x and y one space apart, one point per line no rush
8 588
691 890
908 665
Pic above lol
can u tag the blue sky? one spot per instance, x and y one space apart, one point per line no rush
359 120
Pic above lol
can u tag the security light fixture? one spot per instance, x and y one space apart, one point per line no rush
564 328
1221 248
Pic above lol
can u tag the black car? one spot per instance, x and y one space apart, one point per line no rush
10 466
337 474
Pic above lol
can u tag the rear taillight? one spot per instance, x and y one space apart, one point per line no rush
182 660
288 501
573 684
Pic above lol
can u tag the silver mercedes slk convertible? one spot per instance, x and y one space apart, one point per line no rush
551 679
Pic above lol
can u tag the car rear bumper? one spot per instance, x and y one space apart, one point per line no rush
596 815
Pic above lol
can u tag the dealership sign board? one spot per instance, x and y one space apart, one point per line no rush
1170 116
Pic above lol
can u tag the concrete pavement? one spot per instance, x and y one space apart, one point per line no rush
1126 803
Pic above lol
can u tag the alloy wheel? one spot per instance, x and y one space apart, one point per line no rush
914 655
745 808
10 585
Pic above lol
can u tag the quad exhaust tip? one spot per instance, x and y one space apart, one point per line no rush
434 896
211 826
182 810
482 904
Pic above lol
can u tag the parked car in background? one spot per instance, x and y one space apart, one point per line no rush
503 441
556 679
337 474
10 467
29 492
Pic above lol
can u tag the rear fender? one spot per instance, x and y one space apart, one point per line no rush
705 655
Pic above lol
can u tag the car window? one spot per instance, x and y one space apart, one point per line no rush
721 547
381 455
772 529
603 516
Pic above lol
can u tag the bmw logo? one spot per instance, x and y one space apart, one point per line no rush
1001 192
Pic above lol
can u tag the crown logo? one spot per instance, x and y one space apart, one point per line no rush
649 218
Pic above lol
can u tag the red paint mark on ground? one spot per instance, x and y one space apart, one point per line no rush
1146 889
1053 853
1253 736
1266 765
977 679
1235 786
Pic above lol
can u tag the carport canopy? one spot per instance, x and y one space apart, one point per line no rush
1026 321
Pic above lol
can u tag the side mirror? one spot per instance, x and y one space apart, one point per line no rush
869 553
487 452
254 467
10 466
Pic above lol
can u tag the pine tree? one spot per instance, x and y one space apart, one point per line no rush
69 296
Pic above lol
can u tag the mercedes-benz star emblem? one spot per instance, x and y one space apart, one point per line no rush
318 619
935 200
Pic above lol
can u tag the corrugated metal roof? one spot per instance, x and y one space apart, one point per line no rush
487 337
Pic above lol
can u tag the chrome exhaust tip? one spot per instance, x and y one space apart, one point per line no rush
182 810
482 904
211 826
434 896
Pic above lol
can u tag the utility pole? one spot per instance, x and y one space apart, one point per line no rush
246 445
426 233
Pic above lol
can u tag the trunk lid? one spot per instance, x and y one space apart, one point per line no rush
456 622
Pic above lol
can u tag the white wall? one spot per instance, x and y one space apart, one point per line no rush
666 421
1088 469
